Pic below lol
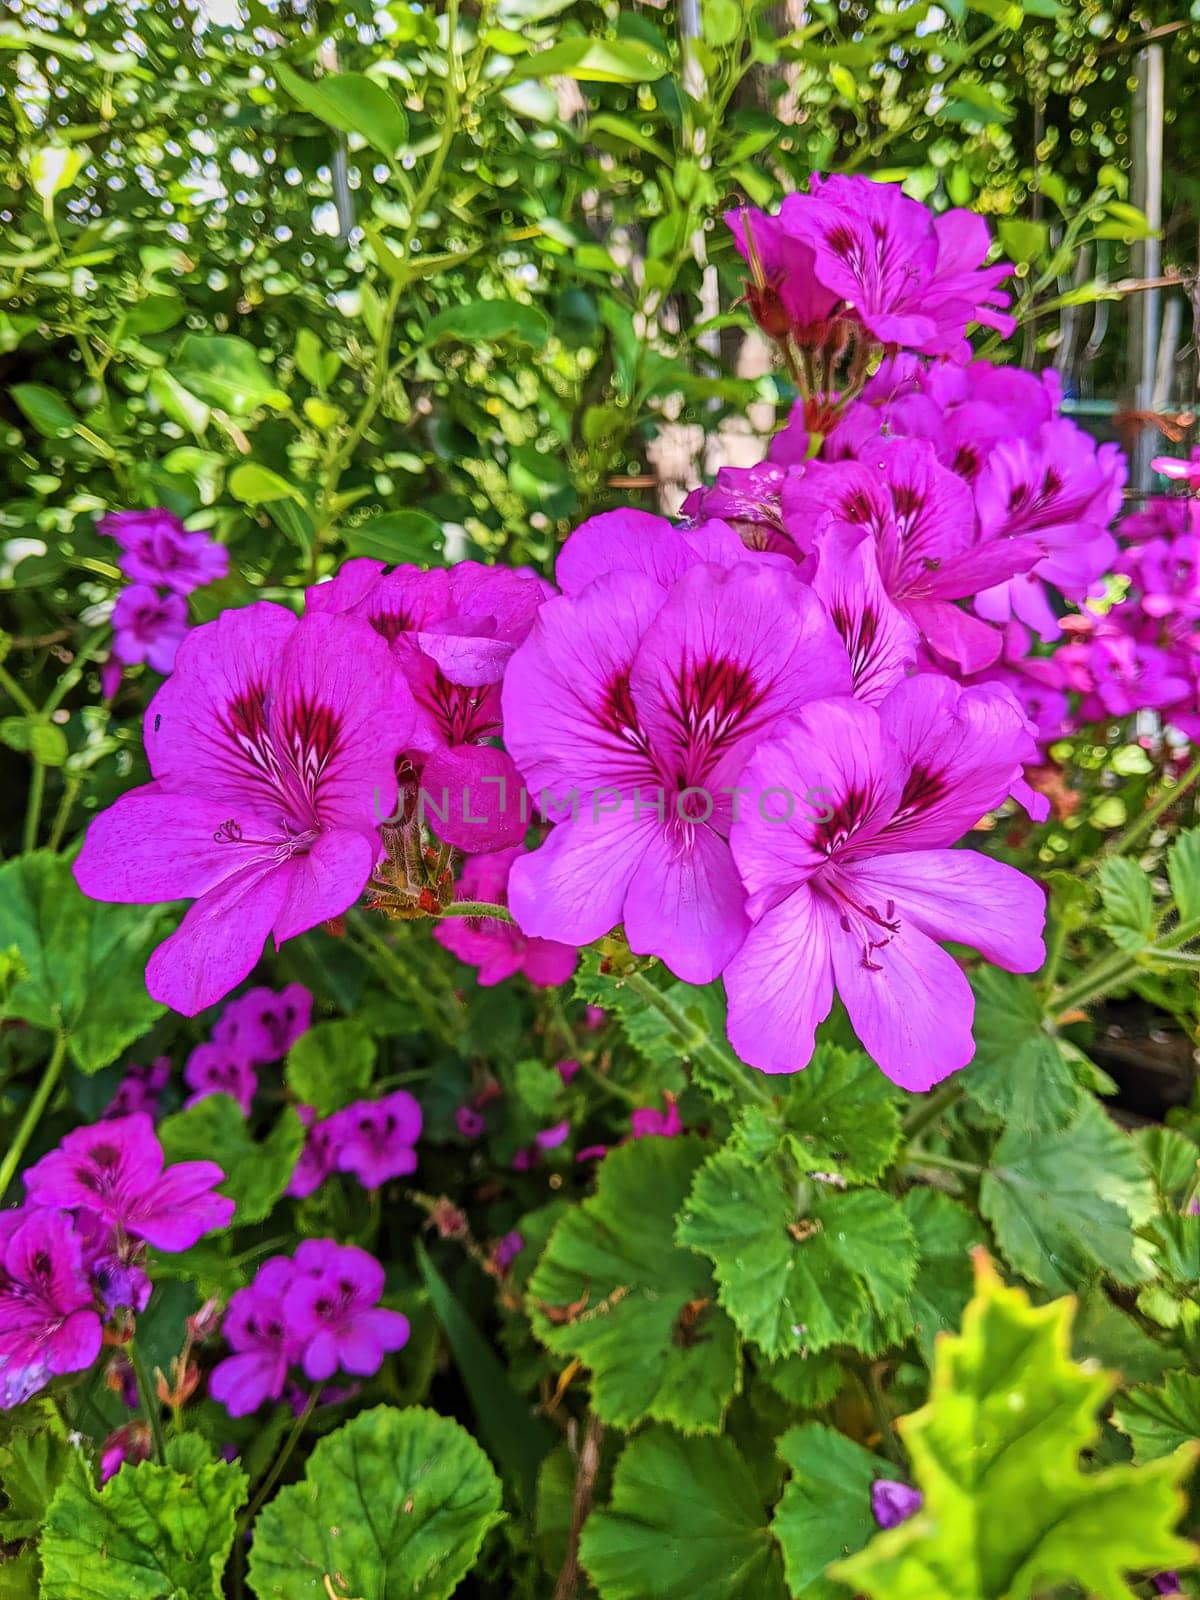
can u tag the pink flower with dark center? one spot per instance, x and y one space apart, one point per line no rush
920 520
1062 490
273 749
452 632
500 949
148 627
333 1308
263 1341
48 1320
261 1026
210 1070
157 549
632 709
115 1169
374 1139
865 893
913 280
468 1122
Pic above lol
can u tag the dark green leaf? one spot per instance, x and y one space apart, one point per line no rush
825 1512
352 103
1064 1202
685 1523
612 1291
85 962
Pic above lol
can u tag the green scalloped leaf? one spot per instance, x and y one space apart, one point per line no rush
946 1234
1008 1514
685 1523
1158 1421
1021 1073
796 1269
612 1291
396 1502
825 1513
1064 1201
840 1115
151 1532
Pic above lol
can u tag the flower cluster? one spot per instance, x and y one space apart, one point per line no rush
750 740
858 264
317 1310
71 1257
1143 653
164 563
255 1030
372 1140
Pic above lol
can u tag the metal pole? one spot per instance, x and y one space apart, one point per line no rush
1145 312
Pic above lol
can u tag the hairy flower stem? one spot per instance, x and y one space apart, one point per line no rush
698 1043
478 908
1141 826
931 1108
1099 979
148 1395
33 1113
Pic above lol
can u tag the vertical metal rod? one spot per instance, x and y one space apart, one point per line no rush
1148 110
342 198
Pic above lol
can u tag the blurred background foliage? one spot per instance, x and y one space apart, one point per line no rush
419 284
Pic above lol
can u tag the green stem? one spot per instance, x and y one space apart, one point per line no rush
75 671
69 795
696 1042
148 1395
16 694
281 1461
33 808
930 1158
478 908
1145 823
1098 980
931 1107
33 1113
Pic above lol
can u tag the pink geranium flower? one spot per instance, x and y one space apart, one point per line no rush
148 627
913 280
273 749
864 894
115 1169
452 632
157 549
640 704
48 1319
